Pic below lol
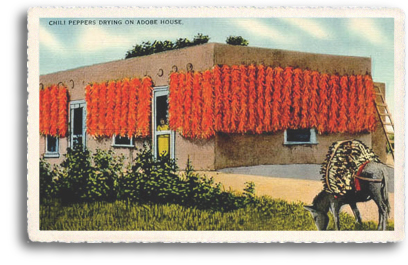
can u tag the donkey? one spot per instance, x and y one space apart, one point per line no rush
373 186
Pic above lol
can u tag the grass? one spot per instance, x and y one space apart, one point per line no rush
267 215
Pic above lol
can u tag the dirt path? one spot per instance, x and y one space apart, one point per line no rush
291 190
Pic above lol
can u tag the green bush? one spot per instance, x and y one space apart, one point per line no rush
48 186
82 176
151 180
85 177
103 182
147 48
76 170
237 40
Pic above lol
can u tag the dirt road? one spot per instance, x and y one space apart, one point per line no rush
290 189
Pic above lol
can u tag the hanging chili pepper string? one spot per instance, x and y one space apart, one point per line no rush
243 100
286 95
196 106
180 103
42 111
47 110
322 126
235 90
102 109
118 105
54 111
173 101
62 112
218 99
343 115
352 108
132 119
305 100
124 107
226 99
277 98
333 120
207 119
94 110
360 104
314 100
260 102
252 114
297 85
267 120
188 99
110 110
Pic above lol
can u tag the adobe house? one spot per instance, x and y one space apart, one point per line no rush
225 106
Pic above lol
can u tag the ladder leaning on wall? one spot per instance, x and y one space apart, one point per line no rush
385 117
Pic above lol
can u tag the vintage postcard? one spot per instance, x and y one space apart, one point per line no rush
215 124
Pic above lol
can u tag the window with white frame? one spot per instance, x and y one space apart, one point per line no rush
300 136
51 146
119 141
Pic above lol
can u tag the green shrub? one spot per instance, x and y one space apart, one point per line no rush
48 186
147 48
237 40
75 174
103 182
85 177
151 180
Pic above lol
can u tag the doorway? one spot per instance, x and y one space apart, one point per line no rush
78 123
163 137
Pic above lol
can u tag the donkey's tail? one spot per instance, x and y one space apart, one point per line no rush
384 190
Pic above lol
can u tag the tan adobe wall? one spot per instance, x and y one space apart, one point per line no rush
221 150
269 149
200 152
228 54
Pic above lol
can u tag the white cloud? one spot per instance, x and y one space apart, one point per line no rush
95 39
367 29
49 40
263 30
311 27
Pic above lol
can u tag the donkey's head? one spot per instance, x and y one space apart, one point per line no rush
320 218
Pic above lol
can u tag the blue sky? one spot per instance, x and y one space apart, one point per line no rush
66 46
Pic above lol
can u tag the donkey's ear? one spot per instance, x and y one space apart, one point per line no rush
310 208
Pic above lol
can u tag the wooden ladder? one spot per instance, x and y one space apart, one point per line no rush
383 117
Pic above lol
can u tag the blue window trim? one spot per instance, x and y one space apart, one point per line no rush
55 154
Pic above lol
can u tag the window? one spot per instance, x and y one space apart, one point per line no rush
51 146
300 136
78 123
120 141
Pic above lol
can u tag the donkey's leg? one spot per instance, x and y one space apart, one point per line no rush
382 209
335 209
356 212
